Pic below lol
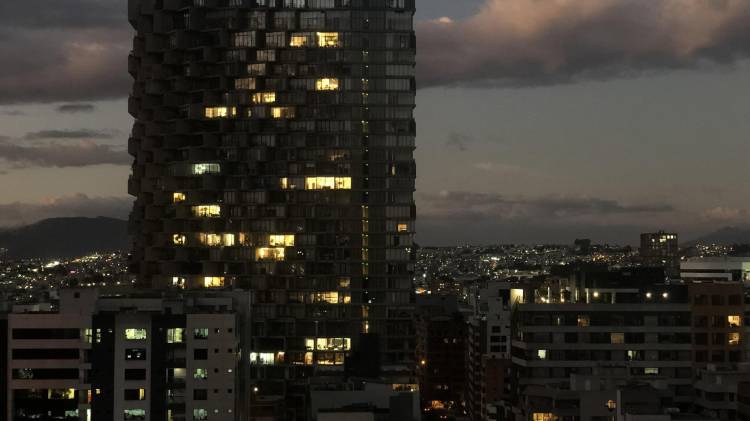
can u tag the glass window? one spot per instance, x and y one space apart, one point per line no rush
270 253
213 281
178 197
207 211
327 84
134 414
200 414
200 373
175 335
206 168
200 333
281 240
328 39
220 112
132 334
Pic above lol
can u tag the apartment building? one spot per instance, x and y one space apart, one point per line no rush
490 382
441 343
48 353
273 151
660 249
125 358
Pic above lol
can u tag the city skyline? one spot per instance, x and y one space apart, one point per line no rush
648 146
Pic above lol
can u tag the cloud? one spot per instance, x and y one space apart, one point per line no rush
459 141
80 50
470 204
75 108
69 134
533 42
12 113
469 217
726 215
14 214
81 154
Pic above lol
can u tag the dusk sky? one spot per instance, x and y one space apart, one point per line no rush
538 121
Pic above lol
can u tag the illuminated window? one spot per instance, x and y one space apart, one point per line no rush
617 338
281 240
178 197
300 40
733 338
264 98
270 253
135 414
207 211
213 281
266 358
541 354
543 416
213 240
333 344
651 371
734 321
282 112
200 373
244 83
178 282
328 183
206 168
200 333
330 297
611 405
583 320
308 358
328 39
327 84
221 112
345 282
135 334
403 228
179 239
175 335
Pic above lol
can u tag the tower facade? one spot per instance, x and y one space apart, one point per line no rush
273 151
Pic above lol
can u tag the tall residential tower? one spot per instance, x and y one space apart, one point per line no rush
273 144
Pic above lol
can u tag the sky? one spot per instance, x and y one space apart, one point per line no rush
537 121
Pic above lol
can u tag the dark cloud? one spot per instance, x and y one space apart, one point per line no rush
532 42
482 218
12 113
69 134
459 141
470 204
73 50
81 154
18 213
75 108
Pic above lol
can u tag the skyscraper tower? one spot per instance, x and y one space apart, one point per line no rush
273 145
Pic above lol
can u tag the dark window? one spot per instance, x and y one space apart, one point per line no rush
46 334
200 394
46 354
200 354
135 395
135 374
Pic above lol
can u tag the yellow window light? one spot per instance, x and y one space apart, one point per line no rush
281 240
213 281
178 197
327 84
328 183
270 253
328 39
264 97
207 211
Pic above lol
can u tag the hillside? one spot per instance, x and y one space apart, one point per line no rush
65 237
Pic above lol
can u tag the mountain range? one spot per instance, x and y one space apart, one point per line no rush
72 237
65 237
